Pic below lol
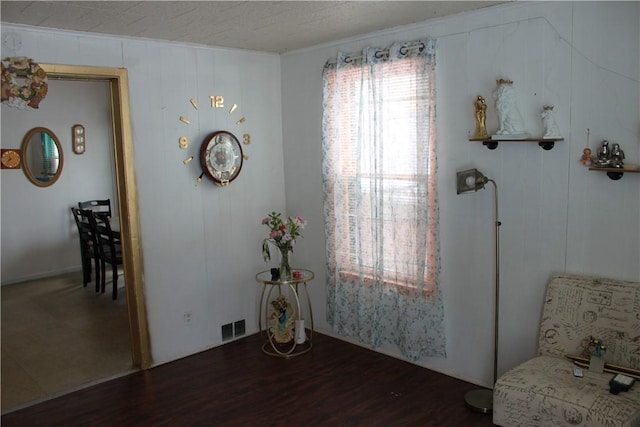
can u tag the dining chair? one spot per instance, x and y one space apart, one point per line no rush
102 206
110 249
88 246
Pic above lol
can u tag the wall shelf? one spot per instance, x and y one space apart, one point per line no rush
617 173
492 144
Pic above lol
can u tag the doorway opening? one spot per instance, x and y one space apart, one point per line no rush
127 198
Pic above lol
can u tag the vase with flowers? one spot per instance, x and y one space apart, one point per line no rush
282 234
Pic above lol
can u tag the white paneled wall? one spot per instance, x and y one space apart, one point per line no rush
556 215
201 244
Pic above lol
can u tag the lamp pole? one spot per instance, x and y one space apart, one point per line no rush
482 400
496 308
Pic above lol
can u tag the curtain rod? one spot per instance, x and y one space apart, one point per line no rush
385 52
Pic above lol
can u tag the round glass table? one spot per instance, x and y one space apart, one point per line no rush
285 332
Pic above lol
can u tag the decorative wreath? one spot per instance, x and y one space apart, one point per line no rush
34 89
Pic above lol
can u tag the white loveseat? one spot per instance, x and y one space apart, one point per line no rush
543 391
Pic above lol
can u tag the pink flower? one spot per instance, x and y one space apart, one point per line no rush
266 220
301 222
273 234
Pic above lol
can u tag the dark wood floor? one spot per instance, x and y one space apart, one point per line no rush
335 384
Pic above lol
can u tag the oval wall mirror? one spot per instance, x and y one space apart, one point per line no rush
41 157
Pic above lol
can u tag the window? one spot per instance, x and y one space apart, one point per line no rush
380 207
382 166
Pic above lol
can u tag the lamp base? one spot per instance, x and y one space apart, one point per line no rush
480 401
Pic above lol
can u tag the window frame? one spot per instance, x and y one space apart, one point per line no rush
352 271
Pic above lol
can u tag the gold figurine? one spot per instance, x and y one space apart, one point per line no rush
481 117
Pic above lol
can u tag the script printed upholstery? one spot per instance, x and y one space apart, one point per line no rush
577 308
543 391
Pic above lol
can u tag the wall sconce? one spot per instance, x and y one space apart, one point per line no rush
78 139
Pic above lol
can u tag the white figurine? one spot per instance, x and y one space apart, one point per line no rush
511 122
551 129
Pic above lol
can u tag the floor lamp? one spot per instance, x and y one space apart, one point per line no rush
467 181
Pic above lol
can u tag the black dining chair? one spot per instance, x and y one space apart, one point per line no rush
110 249
88 246
101 206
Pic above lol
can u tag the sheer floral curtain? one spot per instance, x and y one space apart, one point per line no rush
380 206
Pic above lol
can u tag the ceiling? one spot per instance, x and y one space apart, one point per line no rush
270 26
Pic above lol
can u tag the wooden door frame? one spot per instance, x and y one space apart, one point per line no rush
127 198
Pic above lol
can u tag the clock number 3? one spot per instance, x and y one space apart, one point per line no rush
246 139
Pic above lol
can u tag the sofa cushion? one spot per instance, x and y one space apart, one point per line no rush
543 392
579 307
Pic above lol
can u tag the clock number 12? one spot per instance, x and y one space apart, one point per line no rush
217 101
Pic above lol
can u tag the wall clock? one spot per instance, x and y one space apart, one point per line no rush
11 158
221 155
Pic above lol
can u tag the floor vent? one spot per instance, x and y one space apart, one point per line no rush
238 328
227 331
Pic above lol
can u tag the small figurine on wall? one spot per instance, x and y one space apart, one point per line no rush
481 117
603 156
551 129
586 158
511 123
617 156
609 157
604 152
